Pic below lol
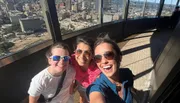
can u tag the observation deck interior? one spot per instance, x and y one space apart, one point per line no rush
150 49
140 53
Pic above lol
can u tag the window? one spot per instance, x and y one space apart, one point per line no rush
151 8
113 10
22 25
135 9
168 7
74 15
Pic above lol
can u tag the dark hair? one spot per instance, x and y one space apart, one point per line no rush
177 7
86 40
114 46
57 45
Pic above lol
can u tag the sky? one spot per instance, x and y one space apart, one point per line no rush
157 1
170 2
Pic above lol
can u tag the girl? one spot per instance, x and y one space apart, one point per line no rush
46 82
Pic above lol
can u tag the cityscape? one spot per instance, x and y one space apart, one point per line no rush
22 22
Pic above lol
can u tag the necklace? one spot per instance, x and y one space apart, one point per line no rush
118 86
119 89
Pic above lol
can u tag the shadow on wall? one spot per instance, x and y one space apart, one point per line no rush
165 68
158 41
15 77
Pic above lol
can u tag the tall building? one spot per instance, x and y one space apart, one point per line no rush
10 6
97 5
30 24
68 4
15 16
27 7
107 4
15 19
18 7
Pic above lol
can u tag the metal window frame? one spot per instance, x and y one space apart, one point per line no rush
53 28
126 9
52 20
161 4
177 3
101 11
161 7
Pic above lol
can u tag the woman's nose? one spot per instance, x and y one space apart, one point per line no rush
82 56
104 60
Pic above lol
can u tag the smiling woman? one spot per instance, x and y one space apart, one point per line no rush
114 84
86 69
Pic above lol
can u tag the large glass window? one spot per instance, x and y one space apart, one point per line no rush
168 8
21 25
113 10
77 14
135 9
151 8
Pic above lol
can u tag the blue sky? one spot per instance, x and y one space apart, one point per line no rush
157 1
170 2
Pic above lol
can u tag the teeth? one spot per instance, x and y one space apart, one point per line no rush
106 67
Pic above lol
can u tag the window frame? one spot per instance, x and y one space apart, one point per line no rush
53 28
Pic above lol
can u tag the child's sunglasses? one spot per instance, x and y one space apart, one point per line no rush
58 58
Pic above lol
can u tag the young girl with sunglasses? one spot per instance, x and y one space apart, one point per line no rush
86 69
46 82
114 84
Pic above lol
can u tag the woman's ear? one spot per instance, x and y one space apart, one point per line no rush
49 61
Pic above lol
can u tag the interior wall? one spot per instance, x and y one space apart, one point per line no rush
139 25
165 71
15 77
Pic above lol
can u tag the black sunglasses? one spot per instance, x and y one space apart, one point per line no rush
108 55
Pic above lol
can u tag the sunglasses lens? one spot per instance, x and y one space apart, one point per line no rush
87 54
109 55
66 58
78 51
56 58
97 58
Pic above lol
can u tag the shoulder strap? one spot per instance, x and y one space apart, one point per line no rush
126 74
59 86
